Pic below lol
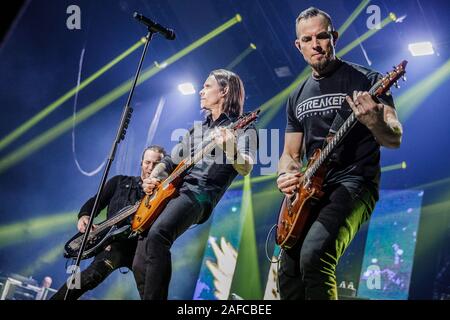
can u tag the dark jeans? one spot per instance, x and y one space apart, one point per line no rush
307 270
116 255
152 265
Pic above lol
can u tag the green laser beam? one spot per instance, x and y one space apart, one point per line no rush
273 105
4 142
20 232
19 154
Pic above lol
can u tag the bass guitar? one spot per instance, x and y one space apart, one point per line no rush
105 233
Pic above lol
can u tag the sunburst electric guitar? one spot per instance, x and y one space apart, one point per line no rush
152 205
294 216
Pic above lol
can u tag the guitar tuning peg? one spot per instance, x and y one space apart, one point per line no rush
396 84
404 78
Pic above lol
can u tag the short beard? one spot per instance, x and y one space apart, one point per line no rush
323 64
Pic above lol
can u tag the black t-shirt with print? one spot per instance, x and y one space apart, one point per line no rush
311 109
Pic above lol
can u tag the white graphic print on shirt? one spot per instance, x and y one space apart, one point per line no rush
319 105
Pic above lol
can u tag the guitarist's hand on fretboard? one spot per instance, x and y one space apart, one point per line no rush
82 224
367 111
226 140
149 184
289 182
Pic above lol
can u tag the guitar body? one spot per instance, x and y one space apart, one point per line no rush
295 212
115 228
96 243
152 205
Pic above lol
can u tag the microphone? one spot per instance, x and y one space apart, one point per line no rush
155 27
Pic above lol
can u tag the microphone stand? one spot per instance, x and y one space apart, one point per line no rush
122 130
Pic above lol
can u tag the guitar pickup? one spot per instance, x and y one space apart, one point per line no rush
286 224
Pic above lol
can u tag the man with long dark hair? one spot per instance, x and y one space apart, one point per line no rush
222 97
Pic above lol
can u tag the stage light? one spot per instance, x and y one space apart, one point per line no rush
389 19
353 16
241 57
44 260
408 102
246 279
160 65
421 48
397 166
36 228
186 88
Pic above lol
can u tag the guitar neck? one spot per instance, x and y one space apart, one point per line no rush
116 219
340 134
190 162
207 146
337 138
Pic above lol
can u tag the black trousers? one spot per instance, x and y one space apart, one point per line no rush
118 254
152 265
307 270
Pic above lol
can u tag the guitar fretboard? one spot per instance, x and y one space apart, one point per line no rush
340 134
207 145
123 214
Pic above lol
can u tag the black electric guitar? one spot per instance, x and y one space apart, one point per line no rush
105 233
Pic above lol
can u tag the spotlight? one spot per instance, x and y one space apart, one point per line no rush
186 88
421 48
160 65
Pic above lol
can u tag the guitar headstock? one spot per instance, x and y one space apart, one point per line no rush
246 119
391 78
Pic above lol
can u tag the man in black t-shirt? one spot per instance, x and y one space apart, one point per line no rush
119 192
335 89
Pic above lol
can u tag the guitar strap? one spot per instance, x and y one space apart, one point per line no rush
337 123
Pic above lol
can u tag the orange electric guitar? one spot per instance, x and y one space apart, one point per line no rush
152 205
294 216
